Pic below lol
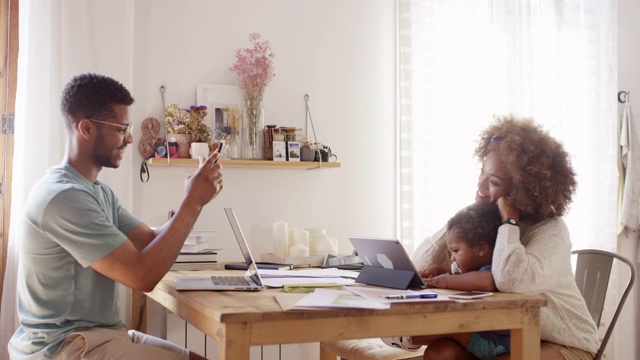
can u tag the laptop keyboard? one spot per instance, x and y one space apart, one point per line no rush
231 280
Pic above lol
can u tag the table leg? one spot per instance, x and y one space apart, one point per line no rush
234 342
525 342
326 355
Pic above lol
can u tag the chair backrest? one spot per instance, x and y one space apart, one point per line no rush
592 277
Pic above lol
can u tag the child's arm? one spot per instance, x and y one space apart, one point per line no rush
473 280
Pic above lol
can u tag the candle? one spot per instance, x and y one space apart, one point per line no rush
299 251
301 237
291 236
280 238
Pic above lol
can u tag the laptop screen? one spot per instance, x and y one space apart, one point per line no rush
244 247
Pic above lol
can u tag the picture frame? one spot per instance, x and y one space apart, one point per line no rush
279 151
224 109
293 151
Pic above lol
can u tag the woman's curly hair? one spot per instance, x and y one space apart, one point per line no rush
541 172
477 223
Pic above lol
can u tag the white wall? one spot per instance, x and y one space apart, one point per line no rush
627 332
342 53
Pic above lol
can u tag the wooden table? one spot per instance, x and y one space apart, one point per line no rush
240 319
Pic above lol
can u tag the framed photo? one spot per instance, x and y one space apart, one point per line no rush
279 151
224 109
293 151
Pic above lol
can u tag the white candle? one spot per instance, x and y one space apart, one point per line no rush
299 251
280 238
291 236
301 238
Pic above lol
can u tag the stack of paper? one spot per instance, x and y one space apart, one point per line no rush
330 298
198 240
355 297
279 278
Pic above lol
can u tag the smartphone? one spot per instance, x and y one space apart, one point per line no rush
470 295
220 146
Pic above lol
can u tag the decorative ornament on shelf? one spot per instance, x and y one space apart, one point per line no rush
187 126
254 71
234 141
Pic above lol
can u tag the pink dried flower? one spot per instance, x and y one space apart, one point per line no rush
254 68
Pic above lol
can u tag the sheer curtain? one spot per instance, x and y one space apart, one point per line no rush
462 61
58 39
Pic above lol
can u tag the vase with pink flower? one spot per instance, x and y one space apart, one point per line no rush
254 71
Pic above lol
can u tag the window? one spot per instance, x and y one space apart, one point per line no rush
463 61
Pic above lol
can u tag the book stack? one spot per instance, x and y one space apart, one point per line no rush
206 259
198 240
197 252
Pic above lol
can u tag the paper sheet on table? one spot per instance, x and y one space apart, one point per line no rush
280 282
288 301
329 298
379 294
312 273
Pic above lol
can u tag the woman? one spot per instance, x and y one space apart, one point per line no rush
529 175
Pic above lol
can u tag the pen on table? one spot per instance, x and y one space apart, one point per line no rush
412 296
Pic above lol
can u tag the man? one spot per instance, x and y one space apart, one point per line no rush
77 242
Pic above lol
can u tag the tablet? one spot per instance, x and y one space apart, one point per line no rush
470 295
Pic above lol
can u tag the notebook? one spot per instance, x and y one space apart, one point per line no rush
386 263
250 281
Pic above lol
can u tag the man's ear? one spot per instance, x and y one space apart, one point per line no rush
85 128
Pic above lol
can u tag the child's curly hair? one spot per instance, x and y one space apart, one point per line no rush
543 179
477 223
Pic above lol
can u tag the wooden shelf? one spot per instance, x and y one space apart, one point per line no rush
245 163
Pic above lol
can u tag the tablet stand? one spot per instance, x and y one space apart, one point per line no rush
392 278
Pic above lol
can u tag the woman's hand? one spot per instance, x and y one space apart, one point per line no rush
508 211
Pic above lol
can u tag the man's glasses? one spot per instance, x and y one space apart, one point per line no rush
126 128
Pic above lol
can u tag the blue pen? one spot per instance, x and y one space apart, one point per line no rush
412 296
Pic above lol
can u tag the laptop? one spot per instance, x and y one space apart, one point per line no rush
250 281
386 263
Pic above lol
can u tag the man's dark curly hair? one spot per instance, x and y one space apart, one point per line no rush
92 96
477 223
541 172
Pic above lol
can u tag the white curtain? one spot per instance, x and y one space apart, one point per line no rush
462 61
58 40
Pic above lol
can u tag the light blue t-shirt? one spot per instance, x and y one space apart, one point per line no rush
69 223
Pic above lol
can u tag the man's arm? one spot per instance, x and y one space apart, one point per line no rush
473 280
147 255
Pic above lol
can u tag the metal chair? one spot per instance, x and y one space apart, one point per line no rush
592 274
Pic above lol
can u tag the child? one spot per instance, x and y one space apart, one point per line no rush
471 236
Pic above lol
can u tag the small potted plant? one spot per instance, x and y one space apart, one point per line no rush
187 126
307 149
